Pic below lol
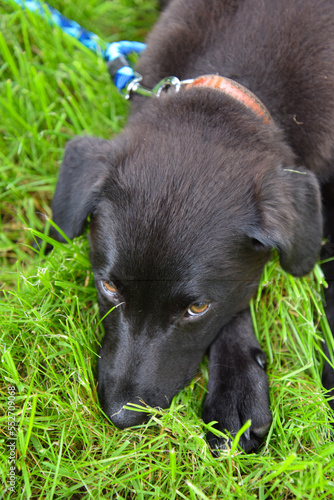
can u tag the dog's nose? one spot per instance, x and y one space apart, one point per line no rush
124 418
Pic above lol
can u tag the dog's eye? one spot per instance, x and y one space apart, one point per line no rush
198 309
109 289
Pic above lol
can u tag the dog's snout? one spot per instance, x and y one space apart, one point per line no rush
123 417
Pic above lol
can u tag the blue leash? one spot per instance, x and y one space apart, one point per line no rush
124 77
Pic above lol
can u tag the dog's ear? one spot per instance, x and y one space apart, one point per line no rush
85 166
289 204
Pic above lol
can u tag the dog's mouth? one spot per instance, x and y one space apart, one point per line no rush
125 408
132 413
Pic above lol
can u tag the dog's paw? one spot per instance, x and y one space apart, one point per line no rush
241 395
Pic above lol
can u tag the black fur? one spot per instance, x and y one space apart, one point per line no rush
187 203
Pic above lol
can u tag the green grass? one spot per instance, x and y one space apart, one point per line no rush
50 90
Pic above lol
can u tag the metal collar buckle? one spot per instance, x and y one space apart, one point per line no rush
165 85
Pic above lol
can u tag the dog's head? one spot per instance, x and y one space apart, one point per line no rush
185 207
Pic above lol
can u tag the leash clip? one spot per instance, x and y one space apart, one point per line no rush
165 85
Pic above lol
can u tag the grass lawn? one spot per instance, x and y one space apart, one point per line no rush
55 441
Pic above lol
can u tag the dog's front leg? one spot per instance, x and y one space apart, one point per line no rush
238 385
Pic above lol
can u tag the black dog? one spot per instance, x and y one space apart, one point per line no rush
187 203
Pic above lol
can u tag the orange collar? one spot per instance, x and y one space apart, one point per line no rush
235 90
